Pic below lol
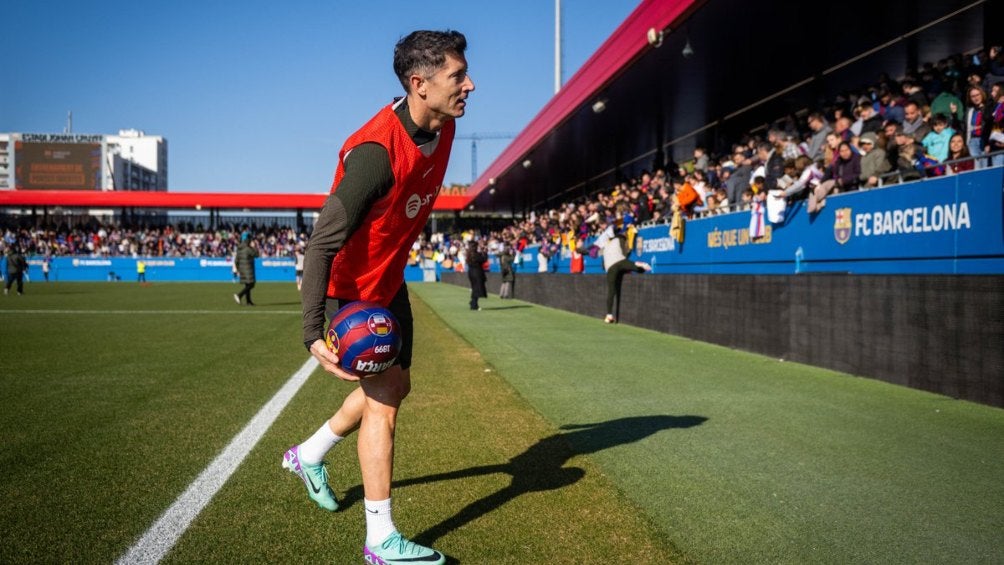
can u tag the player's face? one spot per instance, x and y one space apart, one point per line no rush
446 91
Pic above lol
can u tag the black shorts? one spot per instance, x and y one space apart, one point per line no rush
400 306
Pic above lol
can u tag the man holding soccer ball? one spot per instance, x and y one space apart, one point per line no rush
389 173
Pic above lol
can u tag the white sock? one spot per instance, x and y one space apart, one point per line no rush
313 450
379 523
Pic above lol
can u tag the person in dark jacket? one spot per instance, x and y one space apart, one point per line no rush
16 266
244 261
773 163
476 274
739 180
506 260
842 176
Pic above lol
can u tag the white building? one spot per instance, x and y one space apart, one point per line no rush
130 160
135 161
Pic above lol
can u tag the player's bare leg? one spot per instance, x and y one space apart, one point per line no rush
383 394
346 420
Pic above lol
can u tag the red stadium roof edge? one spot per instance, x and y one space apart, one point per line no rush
628 41
178 200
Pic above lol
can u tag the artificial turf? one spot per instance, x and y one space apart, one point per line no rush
742 458
531 435
117 395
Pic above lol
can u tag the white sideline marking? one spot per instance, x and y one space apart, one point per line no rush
153 312
165 532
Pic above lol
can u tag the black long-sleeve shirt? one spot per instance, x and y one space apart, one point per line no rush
368 177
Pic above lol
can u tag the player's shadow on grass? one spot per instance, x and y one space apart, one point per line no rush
542 466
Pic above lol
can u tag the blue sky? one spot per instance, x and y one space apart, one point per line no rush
258 96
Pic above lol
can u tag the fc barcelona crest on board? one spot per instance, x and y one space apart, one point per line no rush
842 225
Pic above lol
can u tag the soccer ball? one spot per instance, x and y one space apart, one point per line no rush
365 336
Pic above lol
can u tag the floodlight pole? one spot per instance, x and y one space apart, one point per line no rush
557 46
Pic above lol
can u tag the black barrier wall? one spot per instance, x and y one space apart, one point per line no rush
943 334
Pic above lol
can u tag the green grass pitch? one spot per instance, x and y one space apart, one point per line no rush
532 435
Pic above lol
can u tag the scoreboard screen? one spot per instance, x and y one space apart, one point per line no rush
60 166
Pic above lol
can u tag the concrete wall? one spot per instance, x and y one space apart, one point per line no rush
940 333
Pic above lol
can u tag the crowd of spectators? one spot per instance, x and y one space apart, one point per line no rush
932 122
97 239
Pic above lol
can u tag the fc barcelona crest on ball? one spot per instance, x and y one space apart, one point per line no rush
842 225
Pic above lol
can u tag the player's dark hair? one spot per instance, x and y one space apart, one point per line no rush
424 52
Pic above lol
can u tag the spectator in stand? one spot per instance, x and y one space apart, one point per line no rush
701 160
757 188
700 183
790 174
979 120
948 103
808 174
887 140
913 121
873 160
843 176
907 163
711 205
773 164
914 93
790 150
663 204
842 127
832 145
746 200
723 200
900 140
996 139
686 197
739 179
871 122
936 142
889 106
995 66
820 129
957 150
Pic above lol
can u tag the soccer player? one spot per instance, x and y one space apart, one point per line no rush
389 173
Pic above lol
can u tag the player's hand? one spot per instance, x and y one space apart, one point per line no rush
329 361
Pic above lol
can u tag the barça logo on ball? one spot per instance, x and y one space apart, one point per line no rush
380 325
332 340
842 225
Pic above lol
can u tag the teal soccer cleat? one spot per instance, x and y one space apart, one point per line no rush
398 549
315 477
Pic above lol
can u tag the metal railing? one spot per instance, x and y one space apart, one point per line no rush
984 161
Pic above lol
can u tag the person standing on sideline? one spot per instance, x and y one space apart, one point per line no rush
389 173
244 262
299 266
615 261
16 266
476 274
508 271
141 271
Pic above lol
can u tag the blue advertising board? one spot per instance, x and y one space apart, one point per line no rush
947 225
169 269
